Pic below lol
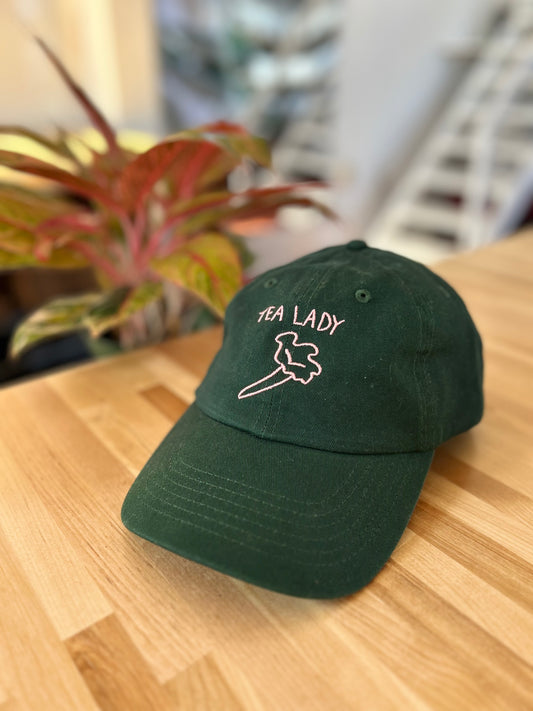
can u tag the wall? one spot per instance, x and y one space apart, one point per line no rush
108 45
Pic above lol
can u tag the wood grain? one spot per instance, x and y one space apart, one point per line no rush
114 669
92 617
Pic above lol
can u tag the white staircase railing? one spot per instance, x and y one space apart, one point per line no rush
474 175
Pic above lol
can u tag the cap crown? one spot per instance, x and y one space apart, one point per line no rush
349 349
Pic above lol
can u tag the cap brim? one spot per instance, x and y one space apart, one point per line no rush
293 519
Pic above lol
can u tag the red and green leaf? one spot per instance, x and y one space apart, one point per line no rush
233 144
190 160
93 113
139 177
61 230
21 212
207 265
29 207
69 181
259 202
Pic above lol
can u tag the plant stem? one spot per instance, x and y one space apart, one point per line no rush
154 242
131 234
98 261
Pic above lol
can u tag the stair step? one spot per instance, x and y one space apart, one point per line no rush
428 218
455 182
450 145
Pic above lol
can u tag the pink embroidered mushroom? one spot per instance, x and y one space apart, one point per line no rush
295 362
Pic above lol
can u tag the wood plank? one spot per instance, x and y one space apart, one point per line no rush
114 670
480 516
109 401
350 674
197 350
66 591
473 597
436 641
83 487
203 687
485 557
165 401
266 652
35 670
496 493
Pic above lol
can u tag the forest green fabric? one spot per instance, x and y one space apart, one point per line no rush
299 464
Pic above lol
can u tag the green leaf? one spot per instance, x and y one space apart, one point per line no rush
58 147
246 256
63 258
207 265
55 318
120 305
21 211
28 207
16 240
140 297
103 315
95 312
58 259
248 146
12 260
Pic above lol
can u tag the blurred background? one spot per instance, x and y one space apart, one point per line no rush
418 113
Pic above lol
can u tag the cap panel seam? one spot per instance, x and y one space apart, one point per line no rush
422 354
419 364
264 414
306 295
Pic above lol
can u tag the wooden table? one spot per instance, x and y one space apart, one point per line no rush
94 617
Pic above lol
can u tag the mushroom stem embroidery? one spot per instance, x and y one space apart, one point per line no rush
295 362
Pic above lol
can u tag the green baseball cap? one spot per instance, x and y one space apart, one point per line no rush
299 464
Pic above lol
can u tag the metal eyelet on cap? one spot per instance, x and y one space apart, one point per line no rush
363 295
272 281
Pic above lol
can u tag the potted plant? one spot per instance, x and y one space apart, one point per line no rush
149 224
